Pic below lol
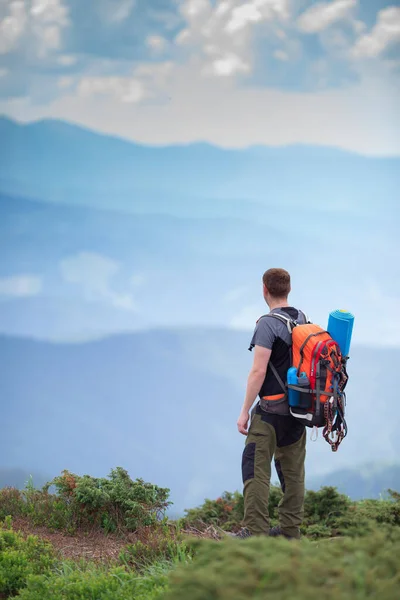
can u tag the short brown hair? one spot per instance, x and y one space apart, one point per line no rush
277 282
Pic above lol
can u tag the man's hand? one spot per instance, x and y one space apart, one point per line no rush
242 422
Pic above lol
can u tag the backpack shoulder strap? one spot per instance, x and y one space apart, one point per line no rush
278 377
307 320
290 323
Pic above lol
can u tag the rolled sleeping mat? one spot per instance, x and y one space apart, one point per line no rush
340 328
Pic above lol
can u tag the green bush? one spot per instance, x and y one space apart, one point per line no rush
278 569
227 511
161 544
11 503
327 513
114 503
365 515
30 570
20 558
117 583
325 506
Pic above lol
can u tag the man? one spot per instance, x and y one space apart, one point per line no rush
273 432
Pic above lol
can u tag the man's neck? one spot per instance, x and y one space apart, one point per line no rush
278 304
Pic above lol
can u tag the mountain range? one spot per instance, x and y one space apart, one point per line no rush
130 280
123 237
164 405
61 162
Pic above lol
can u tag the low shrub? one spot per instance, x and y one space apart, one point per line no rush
365 515
117 583
163 544
20 558
11 503
112 504
30 570
259 568
327 513
227 511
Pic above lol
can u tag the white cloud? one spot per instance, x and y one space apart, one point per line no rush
256 11
229 64
384 33
3 72
51 39
156 43
235 116
324 14
50 11
147 80
94 274
220 33
12 26
242 16
39 22
48 19
20 286
177 102
193 9
129 90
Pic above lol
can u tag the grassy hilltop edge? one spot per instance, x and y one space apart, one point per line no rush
109 538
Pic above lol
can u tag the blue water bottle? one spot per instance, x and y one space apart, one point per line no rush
340 328
293 395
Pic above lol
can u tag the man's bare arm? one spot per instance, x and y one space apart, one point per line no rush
254 382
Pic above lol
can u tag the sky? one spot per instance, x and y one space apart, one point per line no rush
229 72
233 73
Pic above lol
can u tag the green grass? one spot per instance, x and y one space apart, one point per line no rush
69 582
278 569
349 550
30 570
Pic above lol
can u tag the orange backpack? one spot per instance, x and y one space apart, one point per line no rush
323 378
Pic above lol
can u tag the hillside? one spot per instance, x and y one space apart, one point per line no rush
56 161
114 236
107 538
101 271
165 404
367 481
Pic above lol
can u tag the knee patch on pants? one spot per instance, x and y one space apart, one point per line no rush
248 459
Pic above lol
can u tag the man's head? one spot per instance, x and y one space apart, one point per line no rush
276 285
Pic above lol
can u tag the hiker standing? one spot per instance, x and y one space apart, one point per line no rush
273 432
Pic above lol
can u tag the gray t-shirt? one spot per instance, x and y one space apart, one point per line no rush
274 334
267 329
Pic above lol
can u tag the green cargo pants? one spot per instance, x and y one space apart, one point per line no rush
261 446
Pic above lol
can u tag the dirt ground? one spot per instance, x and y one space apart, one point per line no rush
96 546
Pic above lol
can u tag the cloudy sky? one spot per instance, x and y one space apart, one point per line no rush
231 72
